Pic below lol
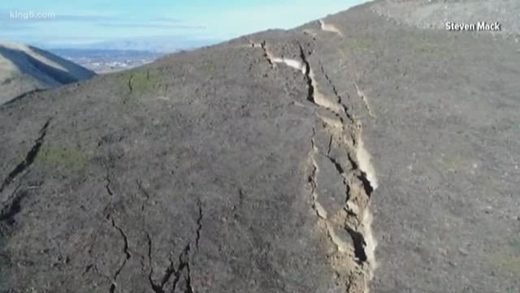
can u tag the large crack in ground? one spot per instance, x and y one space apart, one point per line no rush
12 205
175 272
108 181
29 157
126 247
328 27
359 176
125 250
364 99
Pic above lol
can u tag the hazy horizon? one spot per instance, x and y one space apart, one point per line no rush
160 25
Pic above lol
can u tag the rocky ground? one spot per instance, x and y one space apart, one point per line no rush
354 153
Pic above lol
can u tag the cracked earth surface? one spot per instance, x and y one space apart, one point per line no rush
335 157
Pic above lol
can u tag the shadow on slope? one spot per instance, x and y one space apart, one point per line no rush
45 73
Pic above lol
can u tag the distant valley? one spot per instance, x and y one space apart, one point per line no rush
105 61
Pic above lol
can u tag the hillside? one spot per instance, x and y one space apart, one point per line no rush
361 152
24 69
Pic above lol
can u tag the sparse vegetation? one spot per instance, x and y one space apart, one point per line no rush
63 157
138 83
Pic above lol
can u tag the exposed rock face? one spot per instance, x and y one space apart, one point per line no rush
24 69
350 154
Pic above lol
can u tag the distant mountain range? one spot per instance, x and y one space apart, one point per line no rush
24 69
153 44
158 44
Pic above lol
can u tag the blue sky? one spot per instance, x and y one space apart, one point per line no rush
67 23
